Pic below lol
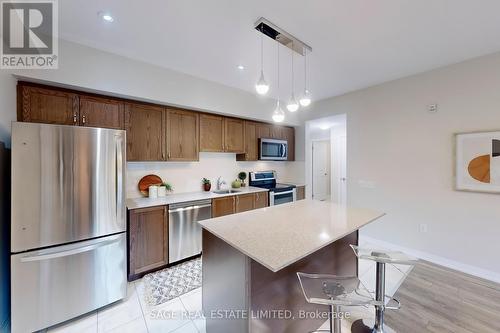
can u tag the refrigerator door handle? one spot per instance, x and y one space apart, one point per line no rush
119 180
72 249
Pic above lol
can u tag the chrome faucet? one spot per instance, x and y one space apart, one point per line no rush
220 182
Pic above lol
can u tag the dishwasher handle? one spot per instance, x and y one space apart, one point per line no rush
181 209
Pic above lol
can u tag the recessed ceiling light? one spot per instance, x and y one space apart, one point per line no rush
241 67
106 17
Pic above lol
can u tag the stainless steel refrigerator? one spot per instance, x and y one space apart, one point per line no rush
68 224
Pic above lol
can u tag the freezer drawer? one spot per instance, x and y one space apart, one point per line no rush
53 285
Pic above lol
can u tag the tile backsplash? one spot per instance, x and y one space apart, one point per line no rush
186 176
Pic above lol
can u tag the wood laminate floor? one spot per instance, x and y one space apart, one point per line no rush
439 300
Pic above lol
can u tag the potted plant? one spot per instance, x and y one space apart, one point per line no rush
242 176
207 185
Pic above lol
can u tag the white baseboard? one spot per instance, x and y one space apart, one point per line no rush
468 269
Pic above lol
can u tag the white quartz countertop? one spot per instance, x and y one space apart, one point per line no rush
135 203
278 236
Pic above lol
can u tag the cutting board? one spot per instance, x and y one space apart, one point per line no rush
148 181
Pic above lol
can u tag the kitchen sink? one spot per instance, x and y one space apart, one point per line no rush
225 191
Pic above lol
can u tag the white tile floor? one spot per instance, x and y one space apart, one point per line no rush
134 315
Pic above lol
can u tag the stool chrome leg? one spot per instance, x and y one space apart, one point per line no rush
380 296
336 323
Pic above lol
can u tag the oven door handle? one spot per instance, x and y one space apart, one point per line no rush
280 193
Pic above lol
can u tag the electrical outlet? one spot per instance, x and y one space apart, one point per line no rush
422 227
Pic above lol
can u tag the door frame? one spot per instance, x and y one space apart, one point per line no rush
337 129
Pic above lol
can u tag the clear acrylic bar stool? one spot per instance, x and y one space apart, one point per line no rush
334 291
381 258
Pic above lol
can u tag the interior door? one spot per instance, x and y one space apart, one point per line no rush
321 170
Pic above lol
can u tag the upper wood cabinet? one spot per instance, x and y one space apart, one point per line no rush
289 136
277 132
40 105
234 135
148 240
255 131
221 134
263 131
101 112
182 135
211 133
154 132
251 143
145 126
223 206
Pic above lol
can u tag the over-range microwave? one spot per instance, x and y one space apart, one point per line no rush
273 150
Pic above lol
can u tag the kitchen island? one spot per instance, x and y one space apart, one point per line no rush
250 262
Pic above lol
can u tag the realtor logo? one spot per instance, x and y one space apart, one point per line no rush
29 34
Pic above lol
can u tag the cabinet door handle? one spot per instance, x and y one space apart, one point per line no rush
75 118
168 155
257 196
84 119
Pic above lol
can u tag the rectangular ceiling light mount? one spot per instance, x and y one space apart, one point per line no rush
281 36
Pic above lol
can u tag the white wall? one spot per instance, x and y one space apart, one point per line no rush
406 155
89 69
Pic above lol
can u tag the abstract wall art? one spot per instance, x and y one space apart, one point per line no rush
478 162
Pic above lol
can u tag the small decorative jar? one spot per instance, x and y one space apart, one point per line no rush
153 191
162 191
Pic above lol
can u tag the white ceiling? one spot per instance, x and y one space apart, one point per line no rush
356 43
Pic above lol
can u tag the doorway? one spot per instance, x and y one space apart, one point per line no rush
321 166
326 159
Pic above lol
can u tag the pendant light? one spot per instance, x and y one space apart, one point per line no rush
278 114
305 100
262 87
292 105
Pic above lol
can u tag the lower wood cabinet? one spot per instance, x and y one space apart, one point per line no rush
148 240
261 200
301 192
239 203
244 202
223 206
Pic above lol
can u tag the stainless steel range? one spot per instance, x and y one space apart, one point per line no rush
278 193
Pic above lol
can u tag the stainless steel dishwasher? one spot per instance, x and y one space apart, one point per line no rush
184 232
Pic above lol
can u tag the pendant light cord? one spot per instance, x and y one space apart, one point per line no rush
305 70
277 43
261 50
293 83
